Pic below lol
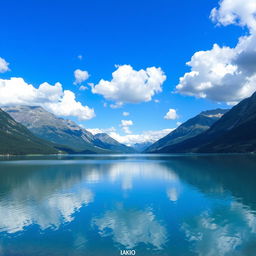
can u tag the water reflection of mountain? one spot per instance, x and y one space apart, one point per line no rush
219 175
134 201
48 193
227 228
213 175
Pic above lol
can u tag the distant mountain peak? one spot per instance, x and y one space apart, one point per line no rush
111 143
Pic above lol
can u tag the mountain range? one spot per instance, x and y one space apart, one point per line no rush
234 132
66 135
33 130
189 129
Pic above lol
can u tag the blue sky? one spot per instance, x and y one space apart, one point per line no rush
41 41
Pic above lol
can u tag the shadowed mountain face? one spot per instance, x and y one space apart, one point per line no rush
233 133
218 174
70 136
17 139
189 129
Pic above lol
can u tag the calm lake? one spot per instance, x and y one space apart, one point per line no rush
97 205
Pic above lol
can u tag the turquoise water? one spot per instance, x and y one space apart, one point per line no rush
171 205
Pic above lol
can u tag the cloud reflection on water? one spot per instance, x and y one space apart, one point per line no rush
59 208
131 227
49 200
153 196
126 172
222 231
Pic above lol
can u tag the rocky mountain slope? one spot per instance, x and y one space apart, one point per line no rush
189 129
234 132
70 136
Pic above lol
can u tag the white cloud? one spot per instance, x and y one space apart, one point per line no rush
171 114
146 136
3 65
131 139
156 101
80 57
238 12
90 84
80 76
117 105
126 122
126 129
53 98
68 106
173 194
83 88
225 74
131 86
126 113
125 125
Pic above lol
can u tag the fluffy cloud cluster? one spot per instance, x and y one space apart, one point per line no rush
83 88
238 12
80 76
125 125
131 86
171 114
131 139
3 65
146 136
126 113
53 98
225 74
